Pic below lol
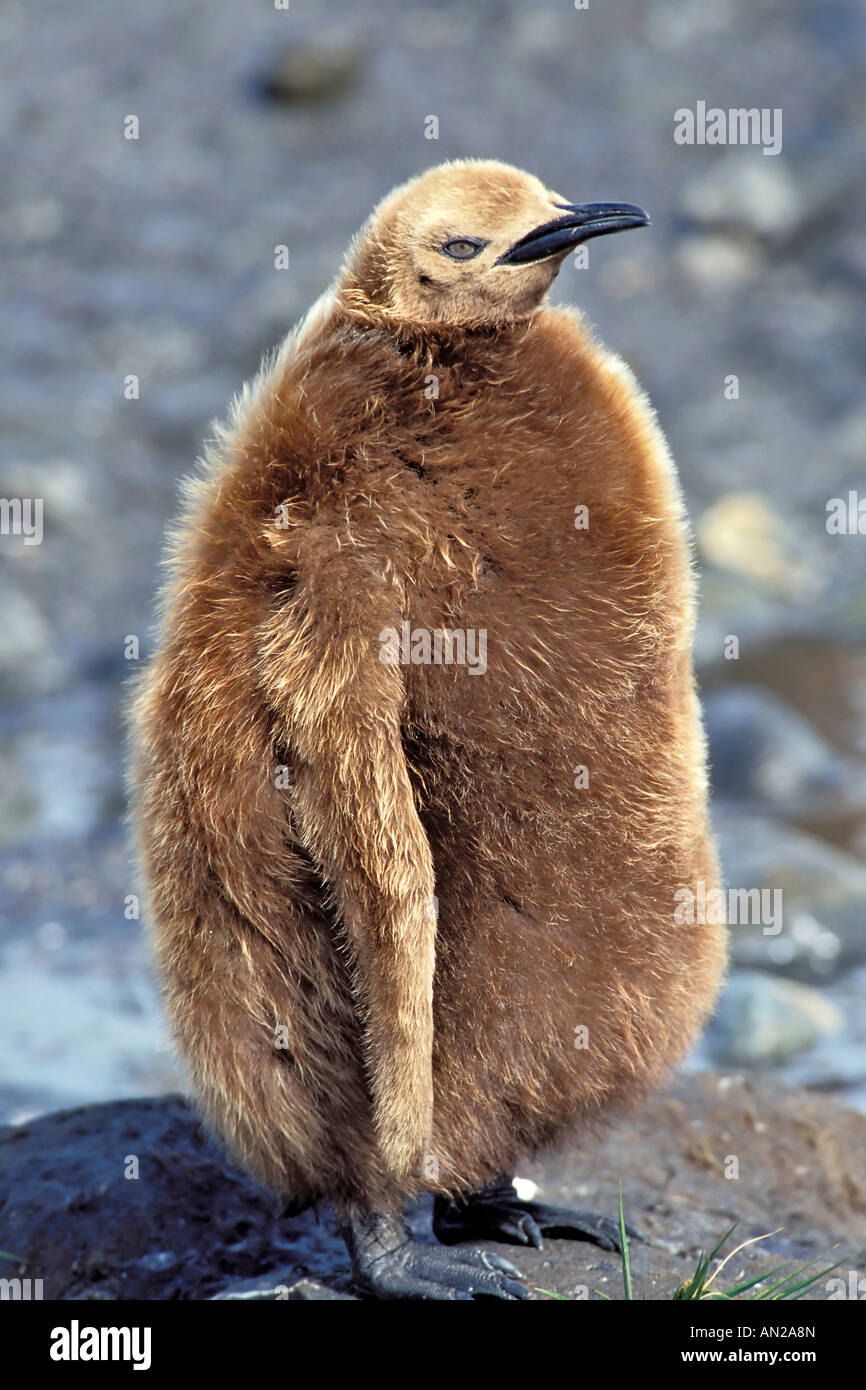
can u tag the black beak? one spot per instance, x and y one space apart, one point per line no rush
582 221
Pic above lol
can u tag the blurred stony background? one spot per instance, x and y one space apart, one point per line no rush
155 257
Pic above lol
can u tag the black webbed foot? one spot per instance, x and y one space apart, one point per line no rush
497 1213
387 1262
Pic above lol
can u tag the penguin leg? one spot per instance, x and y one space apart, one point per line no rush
389 1263
497 1213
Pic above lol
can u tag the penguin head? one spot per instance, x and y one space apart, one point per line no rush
472 243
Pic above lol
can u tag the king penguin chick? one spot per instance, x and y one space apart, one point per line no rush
420 771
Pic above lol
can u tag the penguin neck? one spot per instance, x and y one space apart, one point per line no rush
433 337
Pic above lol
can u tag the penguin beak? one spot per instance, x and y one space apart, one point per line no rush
581 221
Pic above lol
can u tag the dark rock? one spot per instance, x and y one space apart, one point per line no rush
187 1225
192 1227
317 71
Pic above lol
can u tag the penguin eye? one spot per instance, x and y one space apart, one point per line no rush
462 248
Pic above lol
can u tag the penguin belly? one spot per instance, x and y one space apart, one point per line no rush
562 787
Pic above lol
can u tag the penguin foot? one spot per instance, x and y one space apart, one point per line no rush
388 1263
497 1213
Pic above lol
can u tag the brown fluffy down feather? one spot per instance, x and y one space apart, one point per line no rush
299 801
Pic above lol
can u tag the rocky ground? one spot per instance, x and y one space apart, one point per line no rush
183 1224
154 258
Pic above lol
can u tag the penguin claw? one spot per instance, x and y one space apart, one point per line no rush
431 1272
499 1214
389 1264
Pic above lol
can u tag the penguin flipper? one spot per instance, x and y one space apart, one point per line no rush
353 808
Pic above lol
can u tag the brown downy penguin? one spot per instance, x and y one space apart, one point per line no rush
420 770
